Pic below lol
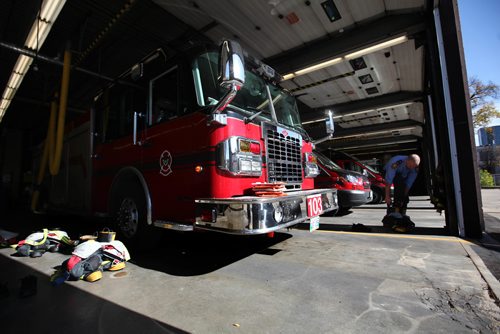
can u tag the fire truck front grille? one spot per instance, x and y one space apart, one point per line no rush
284 160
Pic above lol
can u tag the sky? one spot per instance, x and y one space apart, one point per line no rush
481 38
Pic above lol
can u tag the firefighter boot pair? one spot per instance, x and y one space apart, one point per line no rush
403 224
97 274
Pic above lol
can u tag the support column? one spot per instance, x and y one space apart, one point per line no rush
468 220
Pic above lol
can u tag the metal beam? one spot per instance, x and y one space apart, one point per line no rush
370 142
341 44
319 131
37 56
385 148
378 127
378 102
464 166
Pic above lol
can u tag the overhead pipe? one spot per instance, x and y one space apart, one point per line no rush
32 54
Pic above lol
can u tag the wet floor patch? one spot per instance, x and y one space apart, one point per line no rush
120 274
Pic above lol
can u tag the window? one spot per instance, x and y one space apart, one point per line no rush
351 165
164 96
114 111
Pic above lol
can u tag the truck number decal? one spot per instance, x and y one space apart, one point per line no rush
165 163
314 206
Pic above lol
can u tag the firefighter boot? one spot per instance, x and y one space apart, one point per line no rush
118 266
93 276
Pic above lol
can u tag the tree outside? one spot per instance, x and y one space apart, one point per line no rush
486 178
482 100
482 96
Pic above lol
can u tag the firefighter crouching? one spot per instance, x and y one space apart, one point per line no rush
401 171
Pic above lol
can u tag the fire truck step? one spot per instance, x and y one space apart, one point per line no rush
173 226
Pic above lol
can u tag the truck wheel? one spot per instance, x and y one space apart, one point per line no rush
377 197
128 217
131 215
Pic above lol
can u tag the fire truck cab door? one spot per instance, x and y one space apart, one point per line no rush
113 135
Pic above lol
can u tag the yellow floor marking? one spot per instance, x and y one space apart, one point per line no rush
401 236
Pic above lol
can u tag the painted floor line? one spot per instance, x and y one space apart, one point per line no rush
400 236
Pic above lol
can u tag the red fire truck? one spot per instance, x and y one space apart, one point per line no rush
179 143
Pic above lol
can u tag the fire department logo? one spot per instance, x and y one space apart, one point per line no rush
165 163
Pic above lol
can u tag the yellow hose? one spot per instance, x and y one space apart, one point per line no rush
51 136
55 163
48 150
52 151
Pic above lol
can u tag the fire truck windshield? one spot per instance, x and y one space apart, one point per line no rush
252 97
327 163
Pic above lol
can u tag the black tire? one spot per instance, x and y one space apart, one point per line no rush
130 216
378 197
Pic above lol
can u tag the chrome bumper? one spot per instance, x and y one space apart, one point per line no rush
257 215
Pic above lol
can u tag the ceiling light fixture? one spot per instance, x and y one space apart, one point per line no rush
377 47
40 29
312 68
356 54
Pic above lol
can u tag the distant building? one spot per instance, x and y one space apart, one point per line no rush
489 135
488 151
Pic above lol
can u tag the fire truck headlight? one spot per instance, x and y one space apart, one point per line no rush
240 156
256 166
311 168
245 165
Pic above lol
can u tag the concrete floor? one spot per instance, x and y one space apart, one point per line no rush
328 281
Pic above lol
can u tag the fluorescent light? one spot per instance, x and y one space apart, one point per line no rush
40 28
377 47
312 68
8 93
14 80
4 104
3 107
22 64
318 66
51 9
356 54
39 31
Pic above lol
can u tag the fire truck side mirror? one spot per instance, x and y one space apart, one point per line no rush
137 71
330 125
231 75
231 65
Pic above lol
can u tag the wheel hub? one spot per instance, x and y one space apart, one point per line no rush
128 217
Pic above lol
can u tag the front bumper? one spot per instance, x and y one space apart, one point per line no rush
349 198
258 215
